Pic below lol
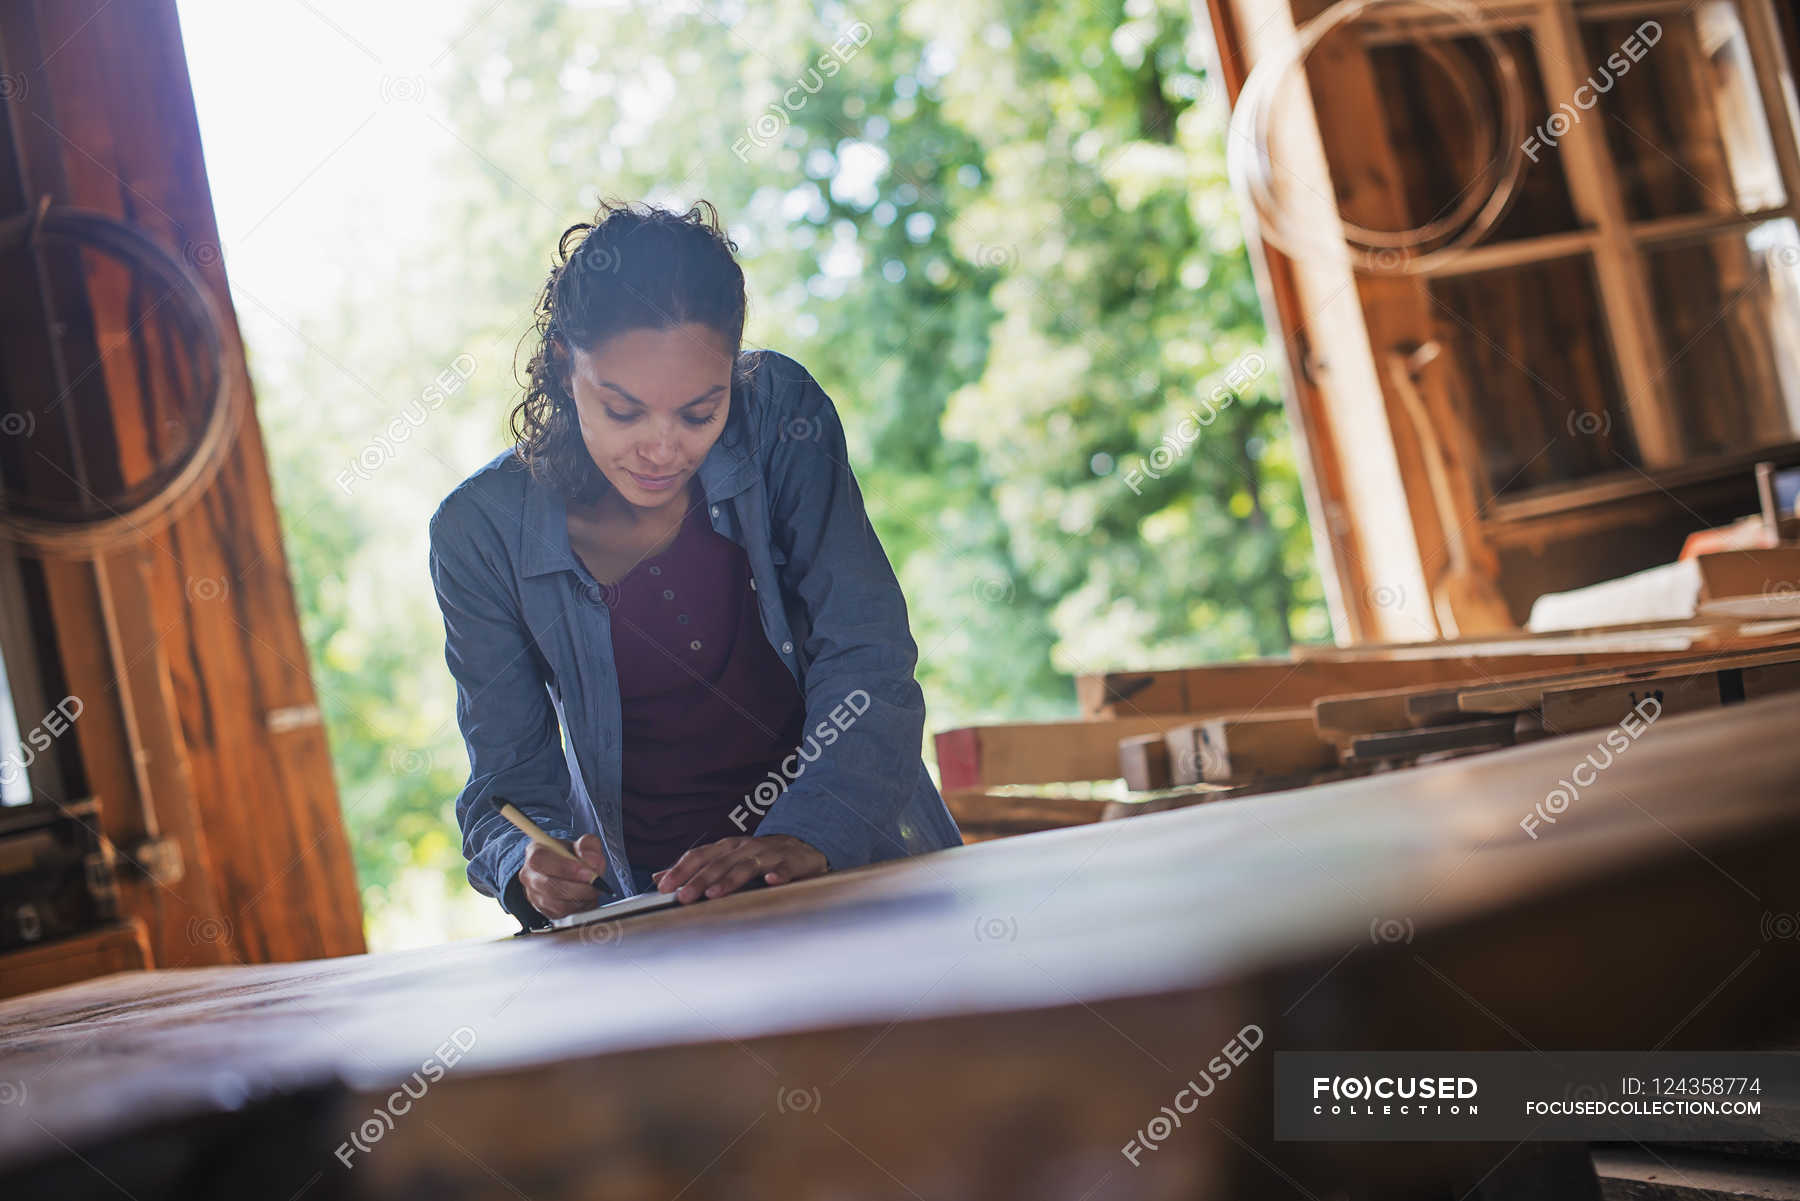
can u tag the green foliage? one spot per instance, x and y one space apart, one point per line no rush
999 233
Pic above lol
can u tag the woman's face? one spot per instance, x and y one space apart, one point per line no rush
651 403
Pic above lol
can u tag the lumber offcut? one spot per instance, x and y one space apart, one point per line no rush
1262 685
1230 750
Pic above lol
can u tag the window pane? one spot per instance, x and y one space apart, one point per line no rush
1682 114
1535 373
1728 310
15 784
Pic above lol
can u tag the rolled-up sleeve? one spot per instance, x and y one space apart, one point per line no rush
503 708
859 652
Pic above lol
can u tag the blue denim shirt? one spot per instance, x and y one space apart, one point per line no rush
528 640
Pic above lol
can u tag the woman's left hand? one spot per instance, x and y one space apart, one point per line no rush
722 867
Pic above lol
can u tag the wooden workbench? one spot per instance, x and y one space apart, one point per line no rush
994 1020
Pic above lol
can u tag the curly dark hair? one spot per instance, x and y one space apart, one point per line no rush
634 266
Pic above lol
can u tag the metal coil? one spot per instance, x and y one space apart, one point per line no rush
168 491
1252 167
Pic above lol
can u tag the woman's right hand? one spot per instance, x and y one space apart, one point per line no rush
557 887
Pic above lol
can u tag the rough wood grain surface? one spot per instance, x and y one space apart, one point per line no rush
959 1017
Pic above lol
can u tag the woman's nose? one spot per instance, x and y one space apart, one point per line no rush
659 451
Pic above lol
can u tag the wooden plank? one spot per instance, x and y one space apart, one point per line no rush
1567 710
1185 751
1340 717
1766 571
1650 637
1391 709
1235 750
1513 698
1238 750
1770 679
124 947
1131 693
1144 762
1659 636
973 758
1764 606
1428 706
1201 794
1403 744
980 813
1119 810
1397 708
1258 685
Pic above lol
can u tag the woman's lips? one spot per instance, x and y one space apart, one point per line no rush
653 483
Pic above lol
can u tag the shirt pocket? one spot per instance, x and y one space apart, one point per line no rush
780 561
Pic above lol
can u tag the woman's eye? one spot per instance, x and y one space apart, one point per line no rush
624 418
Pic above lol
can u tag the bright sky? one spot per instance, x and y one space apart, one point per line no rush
319 130
315 121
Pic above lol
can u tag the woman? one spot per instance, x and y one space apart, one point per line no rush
677 642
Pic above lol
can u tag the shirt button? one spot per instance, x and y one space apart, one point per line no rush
593 592
682 619
694 645
753 583
668 594
715 510
787 648
655 570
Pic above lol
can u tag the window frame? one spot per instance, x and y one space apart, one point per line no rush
1616 244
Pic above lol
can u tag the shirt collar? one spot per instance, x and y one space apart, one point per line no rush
544 529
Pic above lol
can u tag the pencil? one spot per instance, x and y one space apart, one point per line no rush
535 832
